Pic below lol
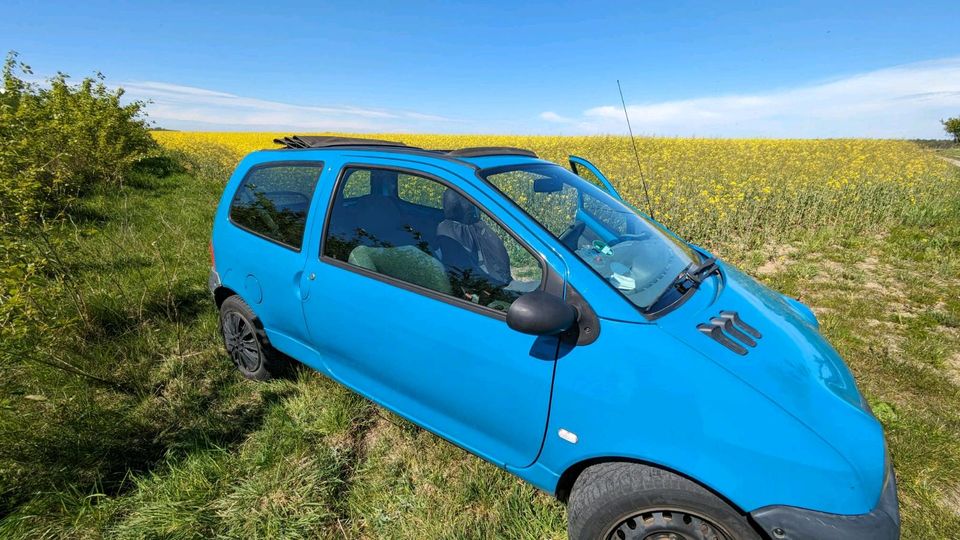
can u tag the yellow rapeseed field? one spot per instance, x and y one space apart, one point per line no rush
704 188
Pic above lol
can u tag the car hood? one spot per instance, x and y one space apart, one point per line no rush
791 364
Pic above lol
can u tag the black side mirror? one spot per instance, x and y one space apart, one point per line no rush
541 314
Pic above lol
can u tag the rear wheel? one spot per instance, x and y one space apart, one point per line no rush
630 501
246 342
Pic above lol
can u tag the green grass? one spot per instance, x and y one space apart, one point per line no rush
152 434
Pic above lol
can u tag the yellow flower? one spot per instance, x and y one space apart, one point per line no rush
701 187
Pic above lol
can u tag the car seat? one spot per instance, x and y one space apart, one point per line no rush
406 263
468 246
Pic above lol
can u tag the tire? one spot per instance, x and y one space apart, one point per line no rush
630 501
246 342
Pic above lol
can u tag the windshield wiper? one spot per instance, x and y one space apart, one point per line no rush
693 275
689 278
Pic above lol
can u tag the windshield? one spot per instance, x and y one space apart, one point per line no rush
634 255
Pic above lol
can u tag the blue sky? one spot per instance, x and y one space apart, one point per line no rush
807 69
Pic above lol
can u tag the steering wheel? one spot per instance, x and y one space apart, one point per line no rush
572 235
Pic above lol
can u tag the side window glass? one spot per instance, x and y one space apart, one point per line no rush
273 202
357 184
431 236
417 190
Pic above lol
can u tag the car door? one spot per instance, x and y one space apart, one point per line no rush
260 242
589 172
398 313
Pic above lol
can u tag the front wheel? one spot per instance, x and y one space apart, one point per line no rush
630 501
246 342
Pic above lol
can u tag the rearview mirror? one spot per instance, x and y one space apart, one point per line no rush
541 314
547 184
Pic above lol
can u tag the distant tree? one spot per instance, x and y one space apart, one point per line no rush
952 126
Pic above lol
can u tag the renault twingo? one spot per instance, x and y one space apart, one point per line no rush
523 312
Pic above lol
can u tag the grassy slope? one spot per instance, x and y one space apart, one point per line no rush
212 454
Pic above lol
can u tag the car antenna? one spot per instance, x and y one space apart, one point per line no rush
636 152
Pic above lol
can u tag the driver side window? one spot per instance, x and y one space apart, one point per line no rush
273 201
422 232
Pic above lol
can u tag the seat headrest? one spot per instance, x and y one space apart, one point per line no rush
457 208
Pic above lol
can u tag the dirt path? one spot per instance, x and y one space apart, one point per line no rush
951 160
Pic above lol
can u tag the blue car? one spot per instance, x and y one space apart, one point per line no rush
522 311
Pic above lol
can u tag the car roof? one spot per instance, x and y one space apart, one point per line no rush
474 158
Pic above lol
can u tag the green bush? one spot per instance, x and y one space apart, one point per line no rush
60 144
61 140
58 141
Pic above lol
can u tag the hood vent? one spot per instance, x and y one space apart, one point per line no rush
730 331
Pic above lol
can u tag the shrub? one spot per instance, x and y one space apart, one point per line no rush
58 141
61 140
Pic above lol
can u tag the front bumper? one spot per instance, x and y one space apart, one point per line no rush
883 523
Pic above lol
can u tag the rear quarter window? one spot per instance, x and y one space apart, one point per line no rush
273 202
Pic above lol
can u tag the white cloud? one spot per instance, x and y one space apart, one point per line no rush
904 101
551 116
188 107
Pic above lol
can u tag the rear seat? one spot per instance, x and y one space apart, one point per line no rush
383 222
